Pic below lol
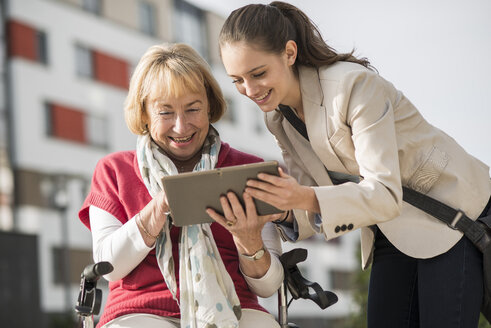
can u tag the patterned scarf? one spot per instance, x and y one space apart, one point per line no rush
207 293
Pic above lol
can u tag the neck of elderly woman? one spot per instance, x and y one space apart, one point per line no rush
186 165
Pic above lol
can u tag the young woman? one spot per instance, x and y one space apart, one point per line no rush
165 276
424 274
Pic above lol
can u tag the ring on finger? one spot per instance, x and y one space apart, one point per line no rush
230 223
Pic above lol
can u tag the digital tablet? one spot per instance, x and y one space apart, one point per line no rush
190 194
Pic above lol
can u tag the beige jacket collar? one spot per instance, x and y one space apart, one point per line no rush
317 154
317 114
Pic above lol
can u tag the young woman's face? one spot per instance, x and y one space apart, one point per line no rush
266 78
178 125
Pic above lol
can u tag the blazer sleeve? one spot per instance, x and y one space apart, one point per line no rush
365 103
305 225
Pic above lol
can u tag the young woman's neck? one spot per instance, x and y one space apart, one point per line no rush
294 98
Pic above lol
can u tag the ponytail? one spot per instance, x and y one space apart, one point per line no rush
270 27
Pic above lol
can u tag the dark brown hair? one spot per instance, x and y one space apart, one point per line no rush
270 27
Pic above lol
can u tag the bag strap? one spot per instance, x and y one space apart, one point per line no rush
294 120
455 219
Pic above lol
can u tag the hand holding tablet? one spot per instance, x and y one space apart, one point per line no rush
190 194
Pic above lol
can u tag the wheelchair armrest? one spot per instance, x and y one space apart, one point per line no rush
298 285
90 297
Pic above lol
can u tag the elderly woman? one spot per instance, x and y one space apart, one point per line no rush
166 276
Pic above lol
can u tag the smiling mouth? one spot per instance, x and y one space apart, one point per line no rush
182 139
263 96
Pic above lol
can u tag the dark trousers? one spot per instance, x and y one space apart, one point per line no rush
445 291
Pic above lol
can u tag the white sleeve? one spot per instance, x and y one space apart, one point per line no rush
120 244
268 284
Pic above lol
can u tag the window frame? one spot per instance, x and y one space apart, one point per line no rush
146 18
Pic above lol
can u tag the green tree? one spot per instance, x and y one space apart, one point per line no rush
483 323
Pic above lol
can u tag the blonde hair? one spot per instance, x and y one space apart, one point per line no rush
179 69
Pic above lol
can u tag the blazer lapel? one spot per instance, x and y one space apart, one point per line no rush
316 118
297 147
303 148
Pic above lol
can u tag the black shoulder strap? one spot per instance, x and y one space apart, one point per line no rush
455 219
294 120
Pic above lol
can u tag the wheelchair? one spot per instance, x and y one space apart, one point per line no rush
90 297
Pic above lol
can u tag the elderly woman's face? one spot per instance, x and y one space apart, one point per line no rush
178 125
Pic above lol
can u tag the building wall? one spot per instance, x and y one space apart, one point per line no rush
125 12
33 84
6 176
53 165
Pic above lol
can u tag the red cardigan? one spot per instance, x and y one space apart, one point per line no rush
117 187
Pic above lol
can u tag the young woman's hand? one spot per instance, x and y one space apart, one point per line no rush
283 192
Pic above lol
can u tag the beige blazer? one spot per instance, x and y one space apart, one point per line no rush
359 124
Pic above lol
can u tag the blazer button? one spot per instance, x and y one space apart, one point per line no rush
350 226
337 229
343 227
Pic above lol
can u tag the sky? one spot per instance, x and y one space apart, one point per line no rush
436 52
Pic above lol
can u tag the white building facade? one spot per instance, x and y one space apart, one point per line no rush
66 74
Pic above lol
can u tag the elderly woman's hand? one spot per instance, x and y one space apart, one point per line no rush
152 218
245 226
242 222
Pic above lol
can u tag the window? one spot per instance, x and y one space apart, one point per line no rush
93 6
41 49
84 61
75 125
28 190
26 42
77 260
96 131
101 67
66 123
110 70
147 18
190 26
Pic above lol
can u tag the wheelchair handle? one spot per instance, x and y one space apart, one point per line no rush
93 272
298 285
